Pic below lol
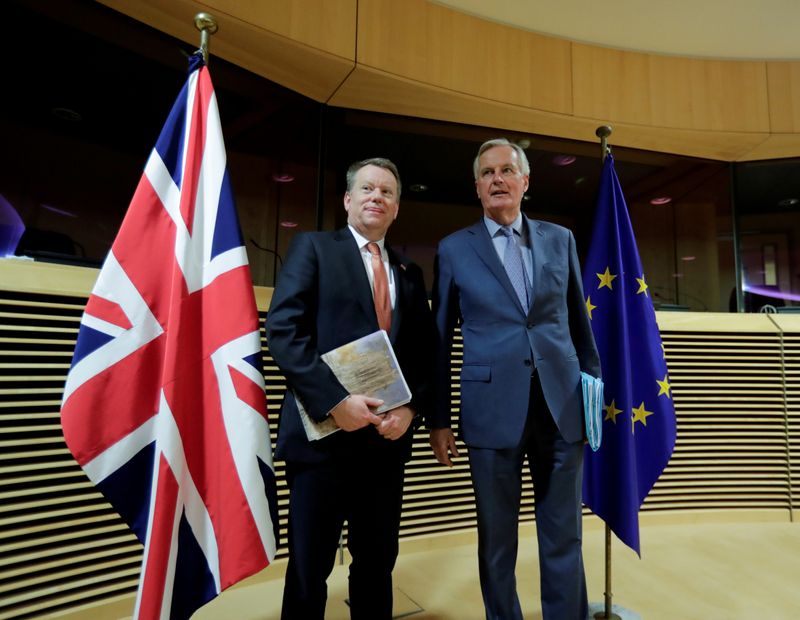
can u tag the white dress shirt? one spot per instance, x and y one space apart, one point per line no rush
367 258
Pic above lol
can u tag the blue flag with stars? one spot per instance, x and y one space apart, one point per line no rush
639 421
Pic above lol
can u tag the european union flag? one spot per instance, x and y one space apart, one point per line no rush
639 421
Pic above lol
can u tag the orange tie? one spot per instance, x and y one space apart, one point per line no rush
383 305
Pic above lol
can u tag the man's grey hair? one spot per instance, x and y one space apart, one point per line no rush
380 162
524 166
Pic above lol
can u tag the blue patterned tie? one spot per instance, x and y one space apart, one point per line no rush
515 268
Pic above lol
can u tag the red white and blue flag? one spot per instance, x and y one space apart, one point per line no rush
164 405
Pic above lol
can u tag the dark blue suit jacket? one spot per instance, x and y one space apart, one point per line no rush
502 342
323 300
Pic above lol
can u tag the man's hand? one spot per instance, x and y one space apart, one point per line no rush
443 443
354 412
395 422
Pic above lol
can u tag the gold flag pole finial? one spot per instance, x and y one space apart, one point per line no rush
207 26
603 132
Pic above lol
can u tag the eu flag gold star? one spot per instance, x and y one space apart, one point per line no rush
589 306
640 414
665 386
642 286
612 412
605 279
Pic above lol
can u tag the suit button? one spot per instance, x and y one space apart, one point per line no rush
527 362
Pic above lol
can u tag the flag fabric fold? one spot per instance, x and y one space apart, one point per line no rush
164 403
639 428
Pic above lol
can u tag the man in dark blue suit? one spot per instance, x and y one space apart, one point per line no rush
514 286
324 299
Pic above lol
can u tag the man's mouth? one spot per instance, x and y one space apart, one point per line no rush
499 192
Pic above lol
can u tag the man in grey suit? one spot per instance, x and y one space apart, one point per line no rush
514 286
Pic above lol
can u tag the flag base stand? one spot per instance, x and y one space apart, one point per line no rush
598 612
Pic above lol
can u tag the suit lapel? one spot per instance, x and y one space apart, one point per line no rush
537 240
355 273
398 268
482 244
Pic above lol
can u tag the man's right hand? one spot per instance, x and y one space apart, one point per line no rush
354 412
443 443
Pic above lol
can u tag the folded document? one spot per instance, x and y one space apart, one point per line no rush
365 366
593 409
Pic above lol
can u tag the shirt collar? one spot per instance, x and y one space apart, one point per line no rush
493 227
363 241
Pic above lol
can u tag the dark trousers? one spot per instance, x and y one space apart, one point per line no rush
557 469
366 492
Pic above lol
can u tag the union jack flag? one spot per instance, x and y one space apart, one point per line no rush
164 404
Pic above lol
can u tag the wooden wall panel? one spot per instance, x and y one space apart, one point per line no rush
664 91
378 91
434 45
327 25
418 58
784 96
279 39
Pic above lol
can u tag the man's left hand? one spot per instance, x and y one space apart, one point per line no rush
395 422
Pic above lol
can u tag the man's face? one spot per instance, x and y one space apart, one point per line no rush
500 184
372 204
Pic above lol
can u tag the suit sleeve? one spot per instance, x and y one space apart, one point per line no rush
580 326
291 329
446 315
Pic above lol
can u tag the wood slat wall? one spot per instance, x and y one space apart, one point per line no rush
62 547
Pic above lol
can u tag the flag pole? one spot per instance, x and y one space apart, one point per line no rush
207 25
603 132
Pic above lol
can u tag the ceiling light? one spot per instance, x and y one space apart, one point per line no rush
288 224
687 258
418 187
282 177
661 200
66 114
789 202
563 160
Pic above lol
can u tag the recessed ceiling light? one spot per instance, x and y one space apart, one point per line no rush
789 202
418 187
563 160
661 200
687 258
282 177
580 180
66 114
288 224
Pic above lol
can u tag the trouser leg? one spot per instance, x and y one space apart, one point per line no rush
315 522
557 472
373 528
496 479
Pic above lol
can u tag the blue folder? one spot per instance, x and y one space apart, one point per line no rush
593 409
